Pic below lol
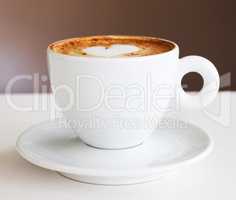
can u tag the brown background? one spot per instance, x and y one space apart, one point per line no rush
203 27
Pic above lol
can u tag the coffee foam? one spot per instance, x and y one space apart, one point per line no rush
112 46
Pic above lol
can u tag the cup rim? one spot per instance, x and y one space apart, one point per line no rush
90 58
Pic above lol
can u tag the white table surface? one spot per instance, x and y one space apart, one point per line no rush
212 178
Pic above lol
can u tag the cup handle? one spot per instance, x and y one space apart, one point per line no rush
211 81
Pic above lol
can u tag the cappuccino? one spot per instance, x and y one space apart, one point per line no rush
112 46
109 88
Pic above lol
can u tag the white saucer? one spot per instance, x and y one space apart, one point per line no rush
52 147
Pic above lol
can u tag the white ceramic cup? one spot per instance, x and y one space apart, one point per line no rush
109 101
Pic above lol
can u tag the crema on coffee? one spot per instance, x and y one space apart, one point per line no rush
112 46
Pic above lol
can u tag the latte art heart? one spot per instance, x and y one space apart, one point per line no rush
114 50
